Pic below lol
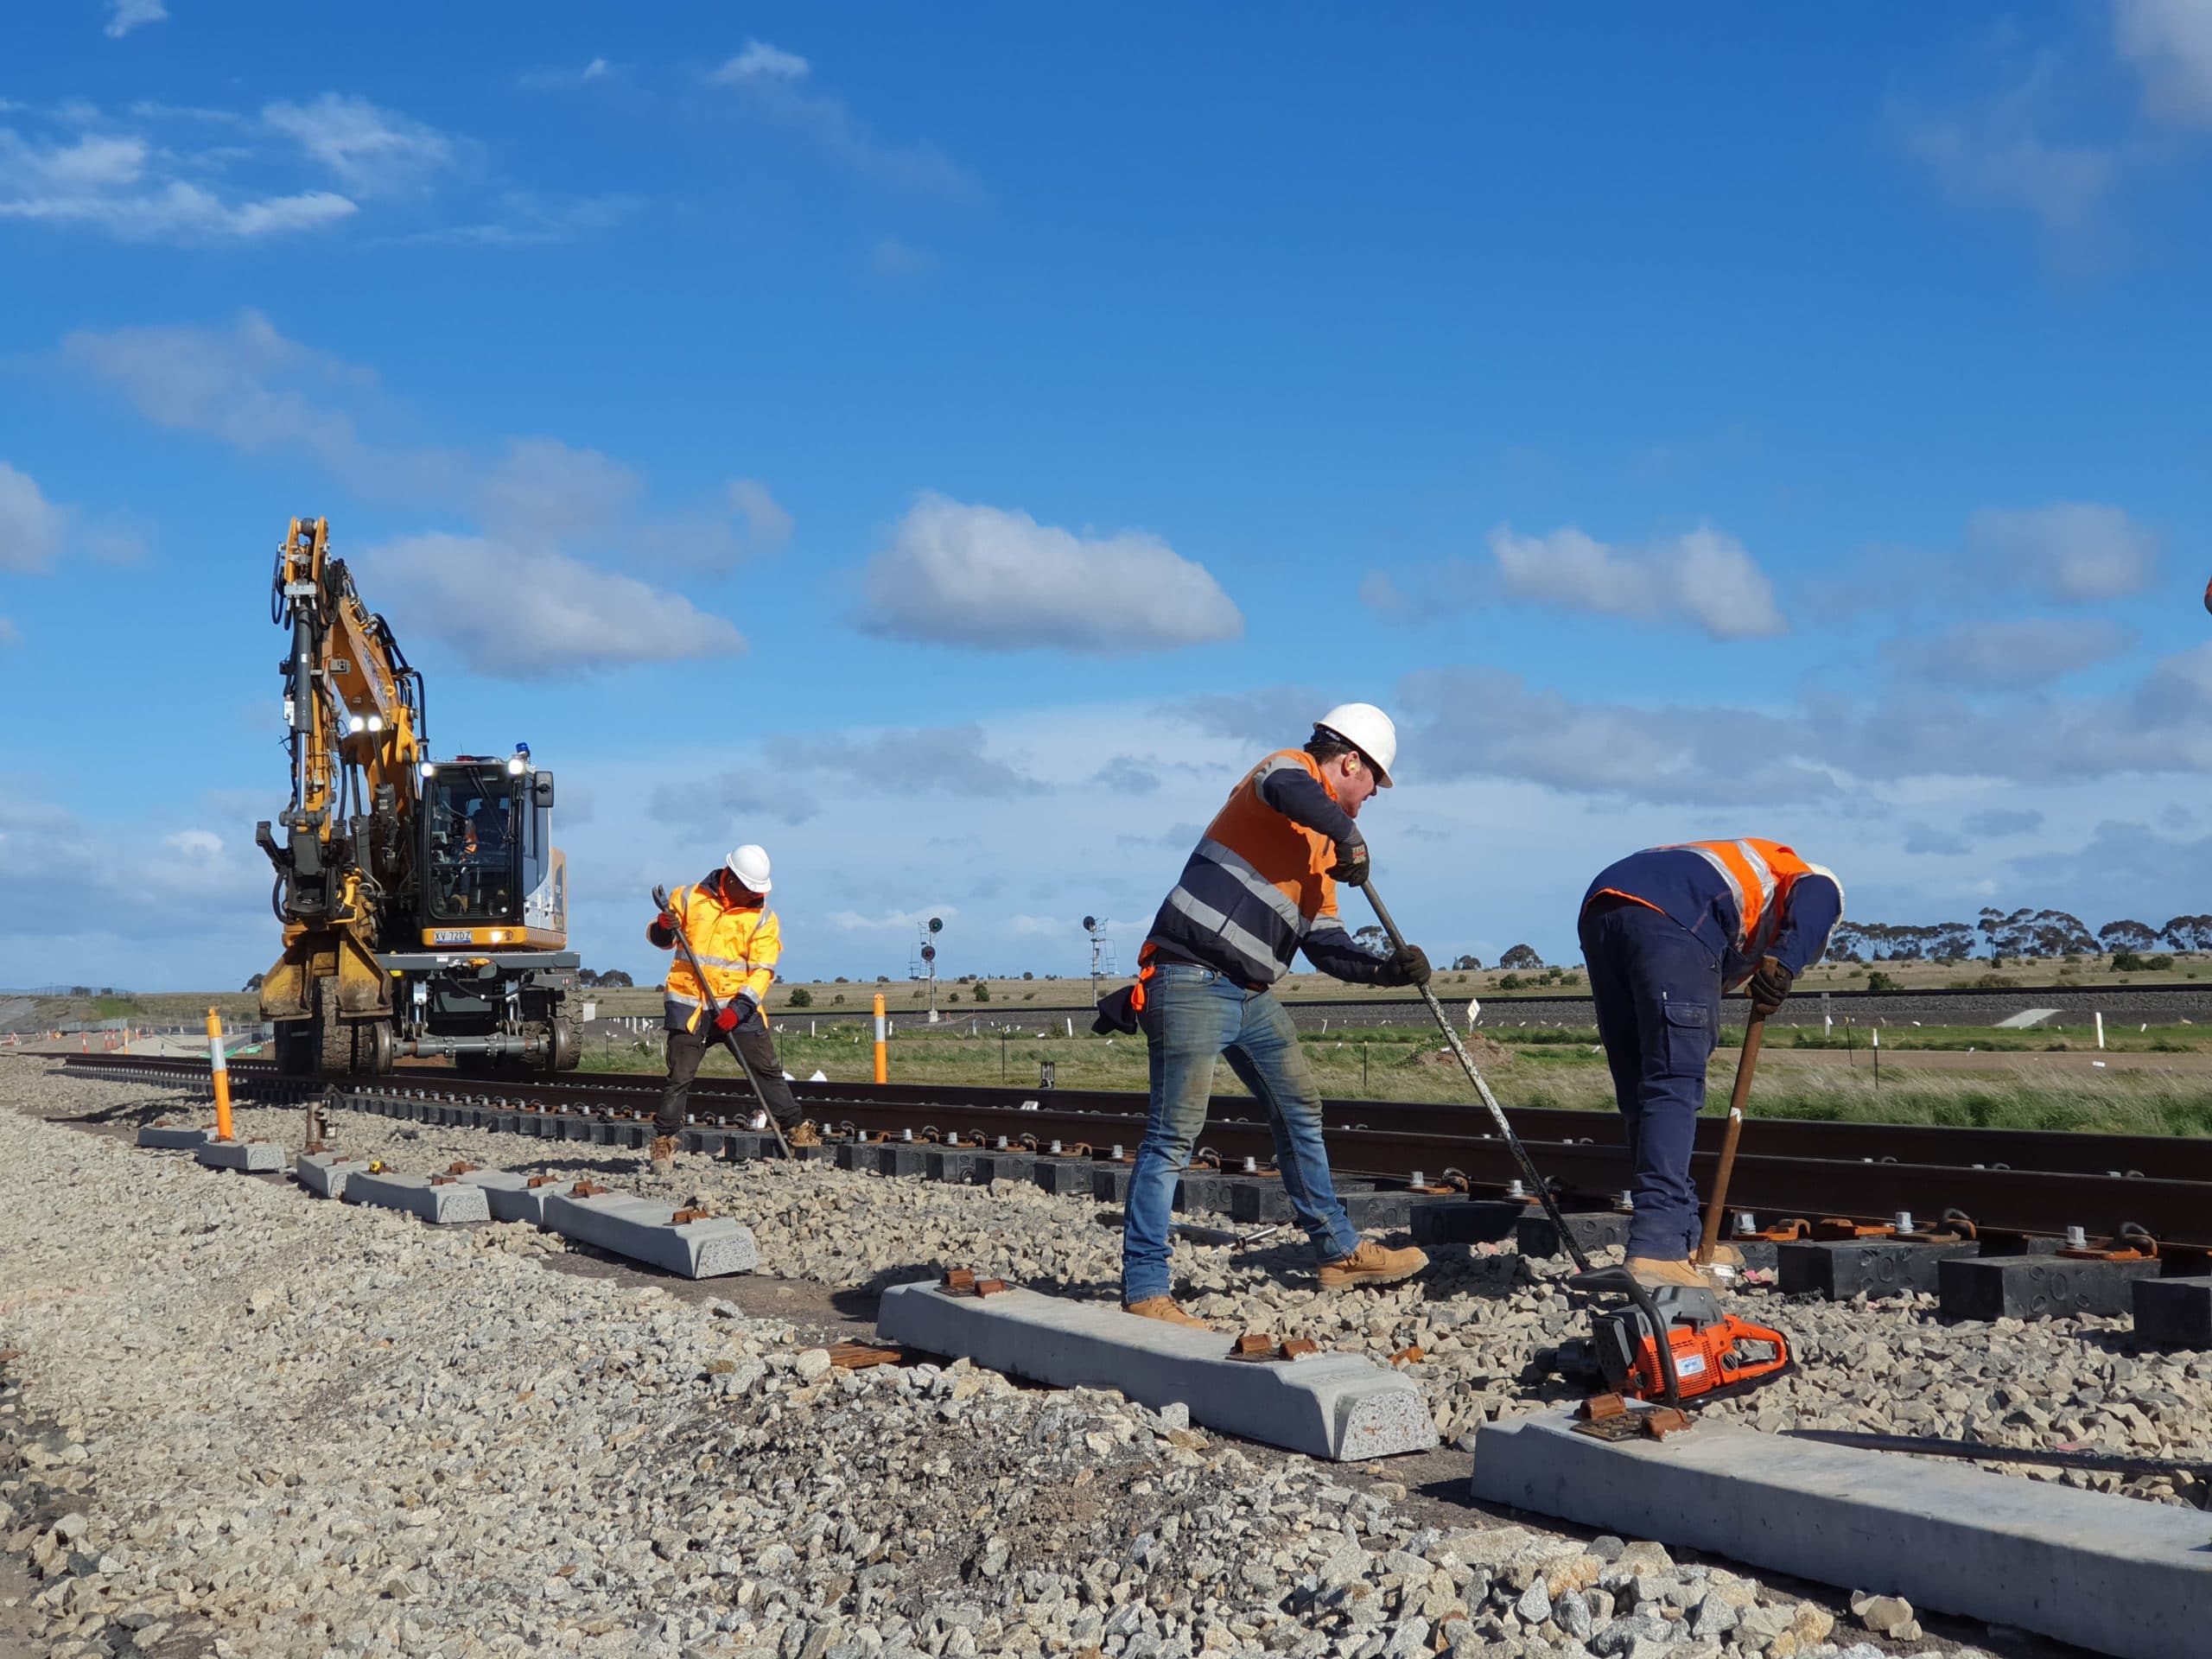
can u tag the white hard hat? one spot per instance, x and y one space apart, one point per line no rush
1368 730
749 864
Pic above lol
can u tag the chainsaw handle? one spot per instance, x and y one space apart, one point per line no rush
1619 1282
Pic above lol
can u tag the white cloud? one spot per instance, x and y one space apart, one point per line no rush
891 258
520 599
2014 655
123 16
374 152
31 527
195 844
92 161
527 219
180 212
192 889
247 385
773 83
1837 754
34 531
2001 148
546 489
123 186
2170 44
169 172
533 612
251 387
1705 576
911 761
732 798
2070 551
994 579
549 79
851 921
768 526
761 61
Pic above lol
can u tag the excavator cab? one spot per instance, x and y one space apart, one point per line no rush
487 853
474 858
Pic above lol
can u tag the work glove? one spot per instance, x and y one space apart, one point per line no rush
1350 867
1117 1013
668 921
1769 986
1408 965
734 1013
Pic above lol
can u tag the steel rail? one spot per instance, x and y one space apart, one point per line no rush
2056 1151
1387 1145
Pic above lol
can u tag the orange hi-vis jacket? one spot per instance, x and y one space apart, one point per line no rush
1744 898
738 949
1257 890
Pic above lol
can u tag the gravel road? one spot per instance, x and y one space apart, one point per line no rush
245 1422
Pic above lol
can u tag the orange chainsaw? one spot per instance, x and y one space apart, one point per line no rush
1709 1355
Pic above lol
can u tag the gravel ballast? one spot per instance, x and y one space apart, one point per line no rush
247 1422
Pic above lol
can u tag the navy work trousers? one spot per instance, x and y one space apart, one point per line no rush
1658 995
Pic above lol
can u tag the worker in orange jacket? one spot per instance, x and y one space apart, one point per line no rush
1258 889
738 942
1663 932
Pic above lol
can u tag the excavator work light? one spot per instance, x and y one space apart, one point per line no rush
355 724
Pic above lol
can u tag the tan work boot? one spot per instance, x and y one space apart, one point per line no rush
1651 1272
1164 1309
1370 1264
1727 1255
803 1133
662 1155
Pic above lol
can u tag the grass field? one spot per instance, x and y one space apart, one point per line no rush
1002 994
906 996
153 1007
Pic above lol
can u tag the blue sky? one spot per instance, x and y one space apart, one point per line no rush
948 447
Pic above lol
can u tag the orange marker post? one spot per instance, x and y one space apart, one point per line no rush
882 1057
221 1070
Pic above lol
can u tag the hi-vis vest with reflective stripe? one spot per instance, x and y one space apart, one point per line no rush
1255 888
1746 889
738 949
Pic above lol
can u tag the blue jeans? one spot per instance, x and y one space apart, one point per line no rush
1192 1016
1658 991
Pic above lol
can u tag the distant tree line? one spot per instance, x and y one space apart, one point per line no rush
2023 932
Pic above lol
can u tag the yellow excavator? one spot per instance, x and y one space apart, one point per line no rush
424 903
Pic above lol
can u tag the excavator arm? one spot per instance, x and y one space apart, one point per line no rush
355 710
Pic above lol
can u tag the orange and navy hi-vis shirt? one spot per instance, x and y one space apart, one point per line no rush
738 948
1255 891
1744 899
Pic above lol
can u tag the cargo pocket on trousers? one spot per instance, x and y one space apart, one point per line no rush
1689 1038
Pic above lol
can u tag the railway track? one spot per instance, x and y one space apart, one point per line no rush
2165 1004
2029 1181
